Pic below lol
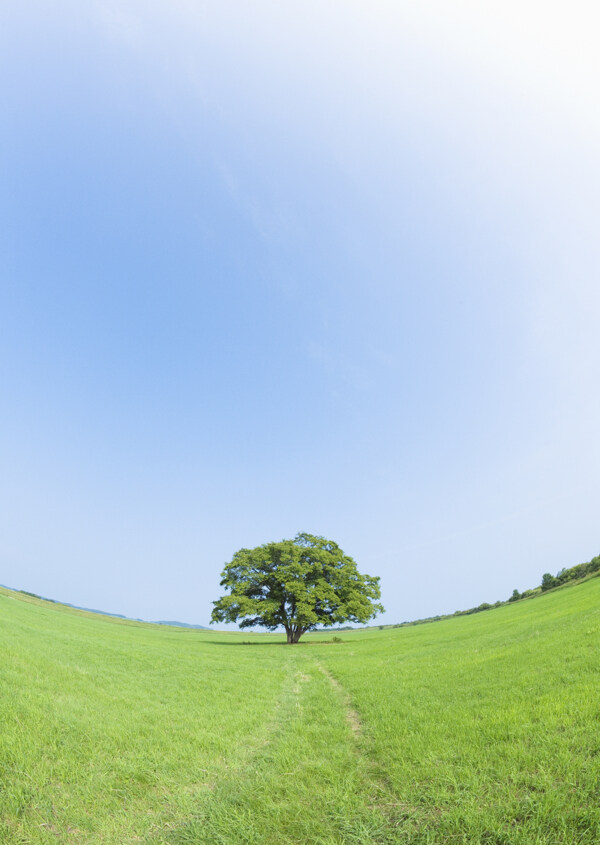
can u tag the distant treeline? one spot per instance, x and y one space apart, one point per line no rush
549 582
575 573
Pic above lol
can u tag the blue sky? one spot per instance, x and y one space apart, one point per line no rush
268 268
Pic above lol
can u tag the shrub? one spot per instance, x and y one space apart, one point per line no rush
548 581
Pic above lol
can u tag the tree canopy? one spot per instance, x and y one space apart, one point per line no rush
297 584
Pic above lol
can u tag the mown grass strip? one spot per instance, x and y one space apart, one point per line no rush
306 786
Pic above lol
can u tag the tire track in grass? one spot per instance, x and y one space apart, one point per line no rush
221 791
404 820
254 747
352 717
381 795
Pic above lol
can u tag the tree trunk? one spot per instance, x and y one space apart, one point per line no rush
293 633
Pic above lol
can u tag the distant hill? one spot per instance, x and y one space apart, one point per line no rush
182 625
101 612
105 612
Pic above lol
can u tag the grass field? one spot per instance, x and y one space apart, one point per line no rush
477 729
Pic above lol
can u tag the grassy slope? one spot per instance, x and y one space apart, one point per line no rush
479 729
486 728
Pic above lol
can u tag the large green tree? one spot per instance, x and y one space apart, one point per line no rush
297 584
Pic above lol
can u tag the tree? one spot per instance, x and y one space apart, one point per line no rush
297 584
516 595
548 581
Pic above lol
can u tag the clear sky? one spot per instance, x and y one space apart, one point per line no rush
310 266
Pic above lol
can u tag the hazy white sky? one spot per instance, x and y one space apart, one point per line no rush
329 267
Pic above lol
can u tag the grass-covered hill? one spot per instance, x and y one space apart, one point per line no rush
476 729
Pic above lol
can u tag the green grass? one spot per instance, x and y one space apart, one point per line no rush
476 729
